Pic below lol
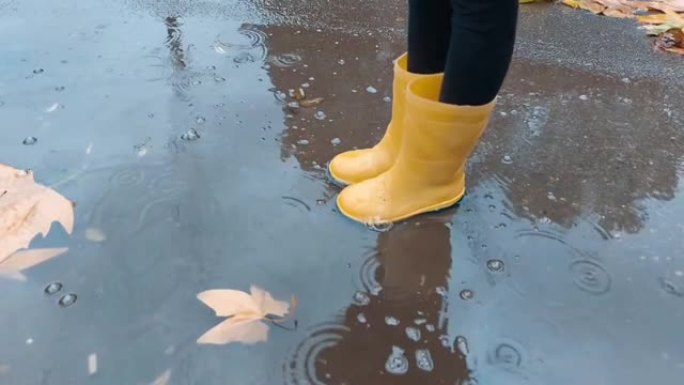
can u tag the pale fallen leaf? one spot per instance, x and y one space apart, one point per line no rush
246 312
13 266
667 5
163 379
28 209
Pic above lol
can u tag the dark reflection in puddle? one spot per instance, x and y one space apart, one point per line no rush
399 334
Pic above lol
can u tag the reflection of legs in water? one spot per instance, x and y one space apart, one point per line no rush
412 267
444 115
174 42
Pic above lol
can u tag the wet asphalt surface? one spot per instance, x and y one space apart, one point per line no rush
563 265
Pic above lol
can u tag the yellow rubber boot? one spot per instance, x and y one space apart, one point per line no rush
358 165
429 173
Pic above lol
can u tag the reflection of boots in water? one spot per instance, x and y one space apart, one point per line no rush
358 165
399 336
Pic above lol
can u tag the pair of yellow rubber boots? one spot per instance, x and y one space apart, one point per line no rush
419 165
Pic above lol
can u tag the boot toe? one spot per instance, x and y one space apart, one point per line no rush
353 167
365 202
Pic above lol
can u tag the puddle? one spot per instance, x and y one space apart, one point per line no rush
196 155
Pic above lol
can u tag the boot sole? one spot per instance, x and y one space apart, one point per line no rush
429 209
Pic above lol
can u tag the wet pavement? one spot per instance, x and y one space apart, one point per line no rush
172 127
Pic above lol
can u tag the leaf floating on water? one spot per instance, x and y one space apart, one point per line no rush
13 266
246 313
163 379
310 102
28 209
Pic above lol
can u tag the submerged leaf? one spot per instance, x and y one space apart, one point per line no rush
163 379
248 330
28 209
13 266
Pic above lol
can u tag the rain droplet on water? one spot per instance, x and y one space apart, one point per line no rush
441 290
191 135
462 345
67 300
336 141
413 333
495 265
430 328
53 288
467 294
200 120
387 99
397 363
29 140
244 57
219 79
320 115
372 90
60 88
391 321
303 142
38 71
424 360
361 318
361 298
507 159
380 226
420 321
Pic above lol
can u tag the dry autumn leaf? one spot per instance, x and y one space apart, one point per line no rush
13 266
163 379
28 209
310 102
246 313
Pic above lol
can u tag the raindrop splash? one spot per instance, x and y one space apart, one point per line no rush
590 277
391 321
413 333
467 294
67 300
397 363
361 298
495 265
191 135
53 288
424 360
30 140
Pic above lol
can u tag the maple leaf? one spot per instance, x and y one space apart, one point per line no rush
28 209
13 266
246 313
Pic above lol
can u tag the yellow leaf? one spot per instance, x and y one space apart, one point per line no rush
526 1
13 266
163 379
246 312
28 209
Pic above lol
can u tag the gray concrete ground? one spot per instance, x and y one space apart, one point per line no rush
563 265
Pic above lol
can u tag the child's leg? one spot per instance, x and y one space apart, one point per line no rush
428 35
480 50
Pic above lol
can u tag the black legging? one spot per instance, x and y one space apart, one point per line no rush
470 40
